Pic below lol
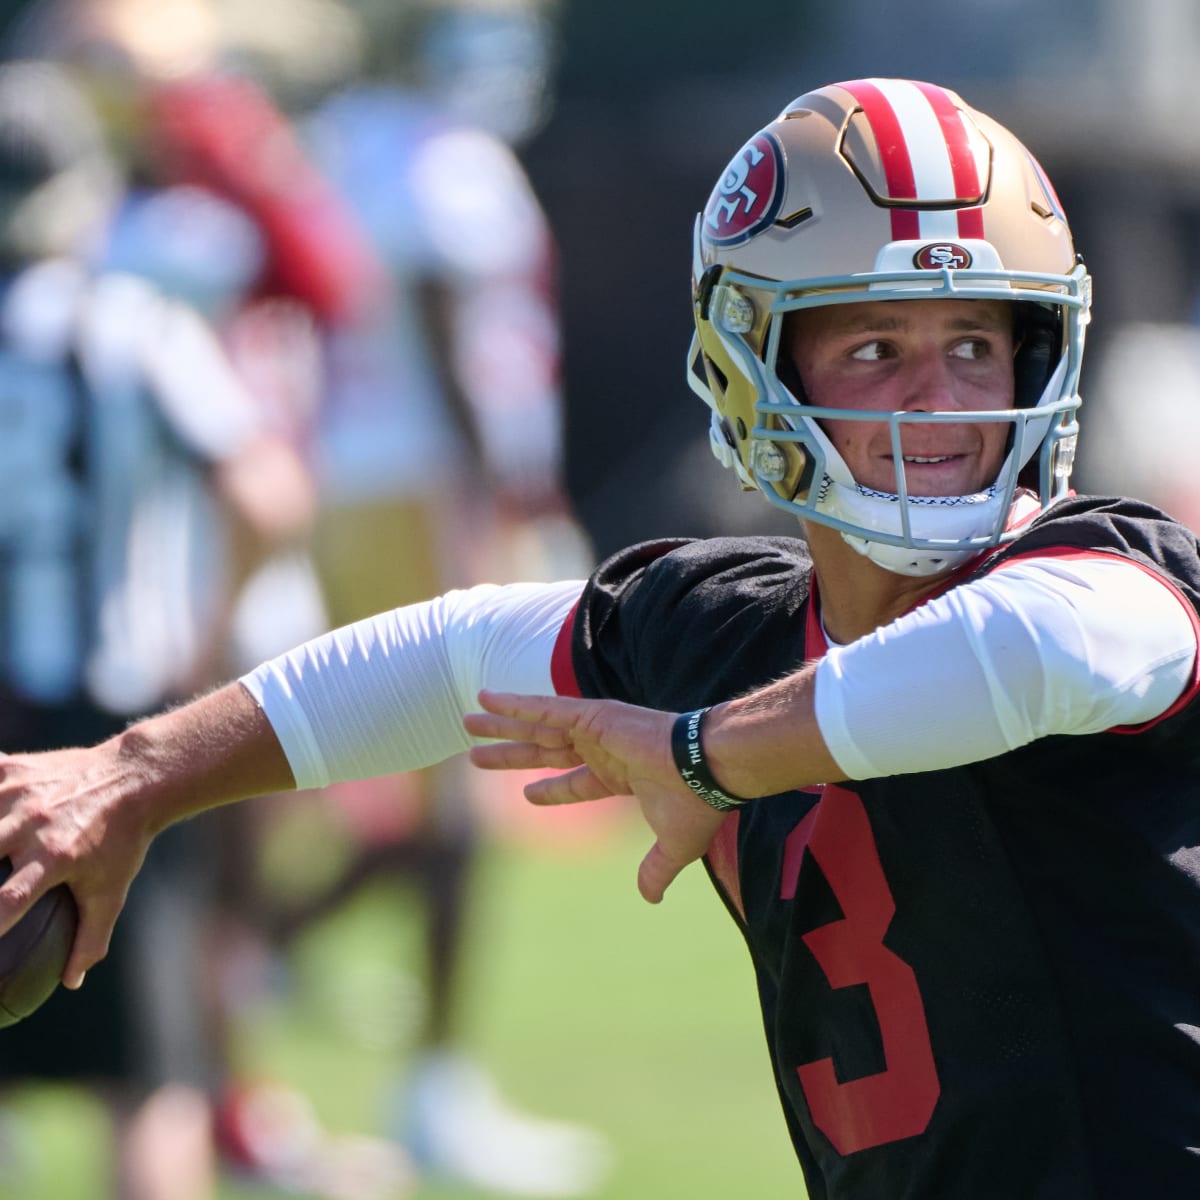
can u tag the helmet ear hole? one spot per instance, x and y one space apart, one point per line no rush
1038 335
785 367
717 376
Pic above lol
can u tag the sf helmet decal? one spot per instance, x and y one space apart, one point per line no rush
941 255
747 198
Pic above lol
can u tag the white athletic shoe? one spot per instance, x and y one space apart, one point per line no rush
456 1126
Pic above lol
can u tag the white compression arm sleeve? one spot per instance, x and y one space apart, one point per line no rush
1038 647
389 693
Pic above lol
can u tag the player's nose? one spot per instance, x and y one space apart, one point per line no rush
929 382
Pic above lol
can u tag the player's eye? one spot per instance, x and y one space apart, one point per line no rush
872 351
972 349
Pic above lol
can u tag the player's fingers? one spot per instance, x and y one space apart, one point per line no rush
509 756
571 787
12 834
655 874
92 937
515 729
19 891
560 712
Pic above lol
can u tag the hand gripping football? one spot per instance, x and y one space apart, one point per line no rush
34 951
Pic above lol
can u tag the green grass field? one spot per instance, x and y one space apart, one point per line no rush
585 1002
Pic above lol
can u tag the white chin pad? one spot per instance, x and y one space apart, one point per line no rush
951 520
903 560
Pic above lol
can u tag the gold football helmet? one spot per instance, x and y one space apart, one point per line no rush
884 189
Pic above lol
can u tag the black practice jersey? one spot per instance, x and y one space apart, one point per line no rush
977 982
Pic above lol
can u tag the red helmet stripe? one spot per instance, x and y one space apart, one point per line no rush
970 223
962 162
925 151
893 152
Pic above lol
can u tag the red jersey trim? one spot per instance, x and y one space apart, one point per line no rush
562 669
1190 692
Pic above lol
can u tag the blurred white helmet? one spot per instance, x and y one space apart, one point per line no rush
58 183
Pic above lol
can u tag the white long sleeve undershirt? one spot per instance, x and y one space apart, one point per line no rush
1071 646
1041 646
389 693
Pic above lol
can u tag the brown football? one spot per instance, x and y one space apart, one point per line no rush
34 951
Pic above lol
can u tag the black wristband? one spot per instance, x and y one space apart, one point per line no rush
688 752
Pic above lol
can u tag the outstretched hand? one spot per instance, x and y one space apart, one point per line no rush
608 749
58 825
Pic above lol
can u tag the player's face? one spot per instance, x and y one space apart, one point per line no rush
911 356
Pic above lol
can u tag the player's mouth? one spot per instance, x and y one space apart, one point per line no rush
938 474
929 460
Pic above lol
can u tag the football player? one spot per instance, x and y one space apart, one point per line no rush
939 757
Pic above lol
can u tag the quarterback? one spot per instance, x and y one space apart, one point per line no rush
938 753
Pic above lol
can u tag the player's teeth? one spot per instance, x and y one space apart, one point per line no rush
912 458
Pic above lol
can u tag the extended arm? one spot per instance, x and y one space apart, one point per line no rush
1039 648
387 694
87 817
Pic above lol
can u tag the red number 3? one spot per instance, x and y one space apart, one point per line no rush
899 1101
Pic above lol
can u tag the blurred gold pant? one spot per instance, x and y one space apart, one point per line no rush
374 557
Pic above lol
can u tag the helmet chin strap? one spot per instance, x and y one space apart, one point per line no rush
951 520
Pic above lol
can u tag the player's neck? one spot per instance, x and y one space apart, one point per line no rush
857 596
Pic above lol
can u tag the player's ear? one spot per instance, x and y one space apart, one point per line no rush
785 366
1037 344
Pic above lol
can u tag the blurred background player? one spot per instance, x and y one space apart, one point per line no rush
138 486
440 446
388 285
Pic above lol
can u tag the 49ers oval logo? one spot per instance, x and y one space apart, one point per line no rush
939 256
748 196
